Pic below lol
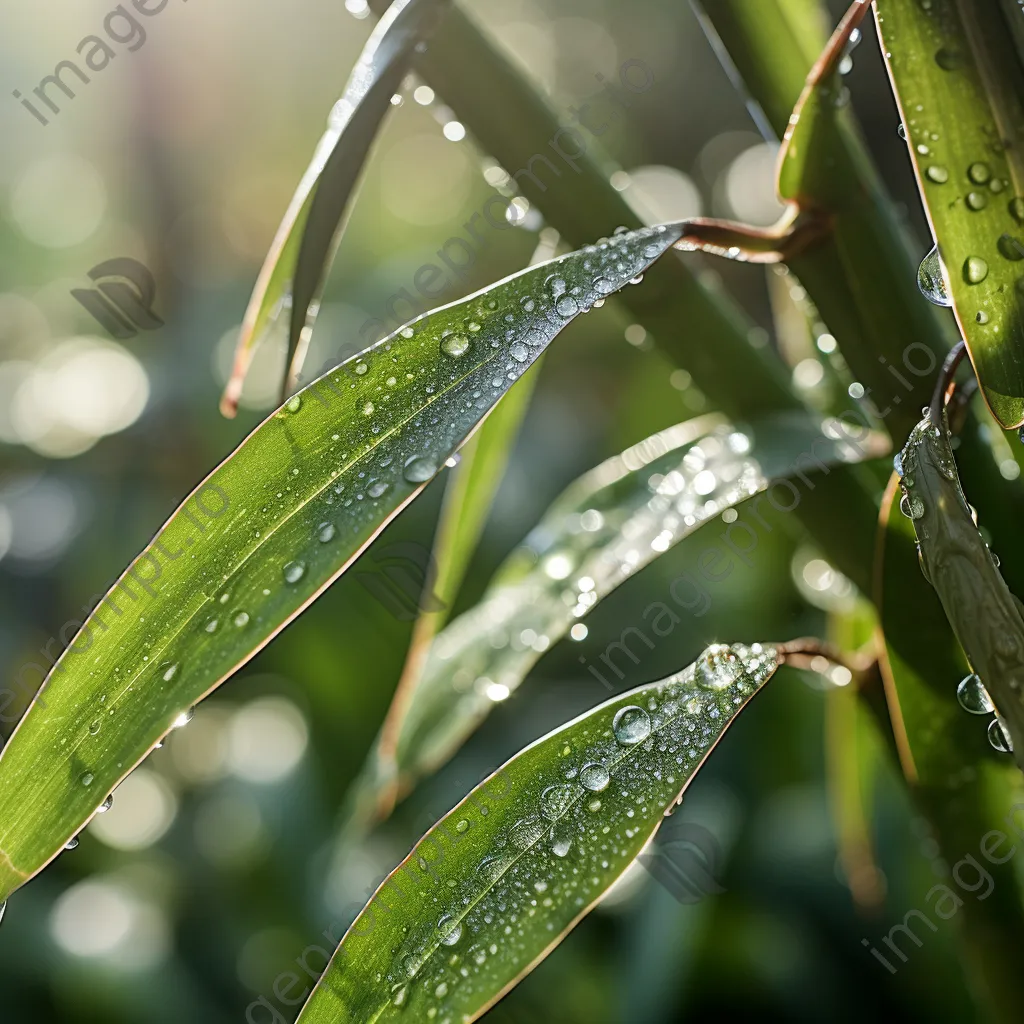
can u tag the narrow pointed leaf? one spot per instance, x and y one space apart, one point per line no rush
269 529
958 562
606 526
960 87
963 787
496 885
290 284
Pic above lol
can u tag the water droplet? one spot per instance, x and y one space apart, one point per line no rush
368 409
455 345
72 844
981 317
973 696
561 844
419 469
603 286
999 736
211 626
931 279
399 993
184 718
1011 248
86 778
717 668
631 725
594 777
594 805
975 270
567 306
912 508
528 304
462 825
442 990
325 532
361 368
294 404
377 488
526 832
555 800
168 671
294 571
901 131
976 200
937 174
519 352
450 929
106 805
979 173
1017 209
95 727
241 619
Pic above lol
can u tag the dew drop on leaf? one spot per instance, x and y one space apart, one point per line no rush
973 696
293 572
450 930
594 777
555 799
455 345
931 279
325 532
912 508
419 469
631 725
86 778
937 174
975 270
999 737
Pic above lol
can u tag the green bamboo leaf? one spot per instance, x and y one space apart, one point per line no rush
495 885
600 532
964 788
291 281
960 87
270 528
958 562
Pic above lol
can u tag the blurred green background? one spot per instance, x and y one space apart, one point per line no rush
213 870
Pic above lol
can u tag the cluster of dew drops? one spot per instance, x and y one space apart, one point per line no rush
736 670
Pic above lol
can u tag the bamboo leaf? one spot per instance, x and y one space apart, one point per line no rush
960 86
291 281
964 788
269 529
601 531
957 561
493 887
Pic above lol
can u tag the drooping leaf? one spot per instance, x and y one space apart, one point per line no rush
269 529
958 562
963 787
959 83
602 530
291 281
495 885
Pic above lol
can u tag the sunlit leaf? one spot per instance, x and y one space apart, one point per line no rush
607 526
270 528
499 881
960 87
291 281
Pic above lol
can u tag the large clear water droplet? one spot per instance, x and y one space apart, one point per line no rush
999 736
450 930
325 532
594 777
106 805
931 279
717 668
86 778
975 270
973 696
567 306
419 469
184 718
293 572
455 345
631 725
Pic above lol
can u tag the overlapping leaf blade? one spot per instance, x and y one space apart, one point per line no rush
291 281
499 881
270 528
960 86
607 526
